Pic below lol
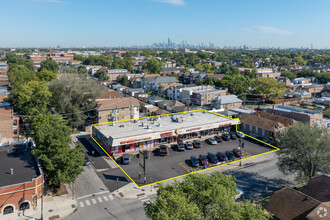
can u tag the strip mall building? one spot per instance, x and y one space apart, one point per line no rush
126 136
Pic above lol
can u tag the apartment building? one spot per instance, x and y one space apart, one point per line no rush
205 97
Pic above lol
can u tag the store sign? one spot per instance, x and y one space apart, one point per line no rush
167 134
193 129
135 140
178 131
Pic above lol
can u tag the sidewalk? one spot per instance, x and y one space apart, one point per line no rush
131 191
54 207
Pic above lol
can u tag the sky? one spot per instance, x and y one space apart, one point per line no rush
87 23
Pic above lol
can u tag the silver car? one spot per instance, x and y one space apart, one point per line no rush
189 145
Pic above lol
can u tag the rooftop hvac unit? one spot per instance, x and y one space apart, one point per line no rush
149 127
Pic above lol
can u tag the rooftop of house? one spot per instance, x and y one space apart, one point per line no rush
123 102
20 159
209 91
195 119
288 204
261 122
228 99
319 188
109 94
167 79
292 109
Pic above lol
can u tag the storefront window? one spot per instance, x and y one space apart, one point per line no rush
24 206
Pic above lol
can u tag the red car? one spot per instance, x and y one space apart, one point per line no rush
203 160
237 153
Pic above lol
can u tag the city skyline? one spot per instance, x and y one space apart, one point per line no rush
72 23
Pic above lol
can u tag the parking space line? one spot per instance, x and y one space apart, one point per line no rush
110 196
105 198
143 197
185 166
94 201
99 198
81 204
87 202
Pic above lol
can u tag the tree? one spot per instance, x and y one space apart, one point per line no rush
50 65
153 66
237 84
20 74
225 69
46 75
128 64
268 86
74 95
101 76
31 98
304 150
326 113
13 59
201 196
290 75
300 61
124 81
52 138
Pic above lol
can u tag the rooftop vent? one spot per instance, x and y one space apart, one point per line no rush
11 171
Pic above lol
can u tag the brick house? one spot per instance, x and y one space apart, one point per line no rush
21 181
307 116
263 124
9 124
117 109
205 97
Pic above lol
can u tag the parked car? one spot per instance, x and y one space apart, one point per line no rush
197 144
212 157
230 155
233 136
320 107
240 135
237 153
222 157
162 150
304 104
189 145
125 159
87 162
218 139
180 146
211 141
203 160
226 137
194 161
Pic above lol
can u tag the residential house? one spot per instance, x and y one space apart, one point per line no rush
263 124
3 67
171 70
117 109
192 77
319 188
304 115
109 94
268 73
9 124
114 74
205 97
134 92
170 105
161 81
226 102
154 100
216 76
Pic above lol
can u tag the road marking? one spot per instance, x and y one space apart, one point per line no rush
94 201
145 200
81 204
87 202
93 194
143 197
105 198
111 197
99 198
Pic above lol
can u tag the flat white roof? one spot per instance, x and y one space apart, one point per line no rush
125 129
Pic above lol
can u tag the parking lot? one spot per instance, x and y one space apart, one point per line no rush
177 163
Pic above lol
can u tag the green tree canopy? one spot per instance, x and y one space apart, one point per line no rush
123 80
50 65
237 84
202 196
73 94
153 66
13 59
31 98
304 150
268 86
101 75
52 137
20 74
46 75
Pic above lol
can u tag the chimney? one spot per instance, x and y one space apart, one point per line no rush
50 52
11 171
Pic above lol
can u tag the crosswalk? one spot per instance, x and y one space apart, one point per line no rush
144 199
95 199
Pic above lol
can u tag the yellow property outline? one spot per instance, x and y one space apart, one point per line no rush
239 122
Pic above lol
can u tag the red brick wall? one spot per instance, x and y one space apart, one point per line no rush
16 194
